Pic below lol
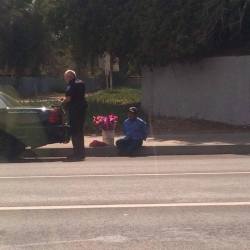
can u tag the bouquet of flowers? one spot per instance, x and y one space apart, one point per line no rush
105 122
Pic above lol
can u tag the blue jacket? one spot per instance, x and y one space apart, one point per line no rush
135 129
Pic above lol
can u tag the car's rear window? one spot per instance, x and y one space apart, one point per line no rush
2 104
7 101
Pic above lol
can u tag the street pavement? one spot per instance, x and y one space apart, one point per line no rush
159 202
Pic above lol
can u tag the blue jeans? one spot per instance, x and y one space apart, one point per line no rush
128 146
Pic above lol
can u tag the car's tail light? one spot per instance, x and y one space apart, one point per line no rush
55 116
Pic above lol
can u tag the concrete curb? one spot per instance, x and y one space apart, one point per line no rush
147 151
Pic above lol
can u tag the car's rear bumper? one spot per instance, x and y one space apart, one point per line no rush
37 136
58 134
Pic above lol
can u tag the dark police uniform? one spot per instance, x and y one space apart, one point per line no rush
77 112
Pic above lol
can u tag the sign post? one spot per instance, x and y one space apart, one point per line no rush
109 65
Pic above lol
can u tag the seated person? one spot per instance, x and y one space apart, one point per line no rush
135 130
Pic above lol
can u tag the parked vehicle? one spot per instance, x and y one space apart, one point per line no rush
22 126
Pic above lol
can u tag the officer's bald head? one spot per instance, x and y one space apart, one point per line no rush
69 75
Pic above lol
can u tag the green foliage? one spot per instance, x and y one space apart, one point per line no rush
117 96
24 40
96 26
34 34
178 29
152 32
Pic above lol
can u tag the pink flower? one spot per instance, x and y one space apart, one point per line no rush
105 122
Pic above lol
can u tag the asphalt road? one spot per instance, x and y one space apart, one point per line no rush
184 202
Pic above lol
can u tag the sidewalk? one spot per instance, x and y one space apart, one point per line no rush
167 144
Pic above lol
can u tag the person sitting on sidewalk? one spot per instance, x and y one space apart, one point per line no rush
135 130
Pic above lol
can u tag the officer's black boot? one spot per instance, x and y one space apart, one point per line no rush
78 146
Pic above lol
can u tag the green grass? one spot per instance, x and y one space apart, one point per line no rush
118 96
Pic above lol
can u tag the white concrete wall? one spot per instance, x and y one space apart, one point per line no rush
216 89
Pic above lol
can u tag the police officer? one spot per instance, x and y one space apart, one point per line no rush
76 105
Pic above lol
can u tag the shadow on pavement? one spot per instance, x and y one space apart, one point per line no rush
151 151
33 160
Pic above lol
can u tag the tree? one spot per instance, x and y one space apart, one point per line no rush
180 29
24 38
37 33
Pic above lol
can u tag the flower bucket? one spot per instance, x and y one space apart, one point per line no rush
108 136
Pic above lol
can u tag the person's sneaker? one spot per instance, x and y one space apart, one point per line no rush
80 157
